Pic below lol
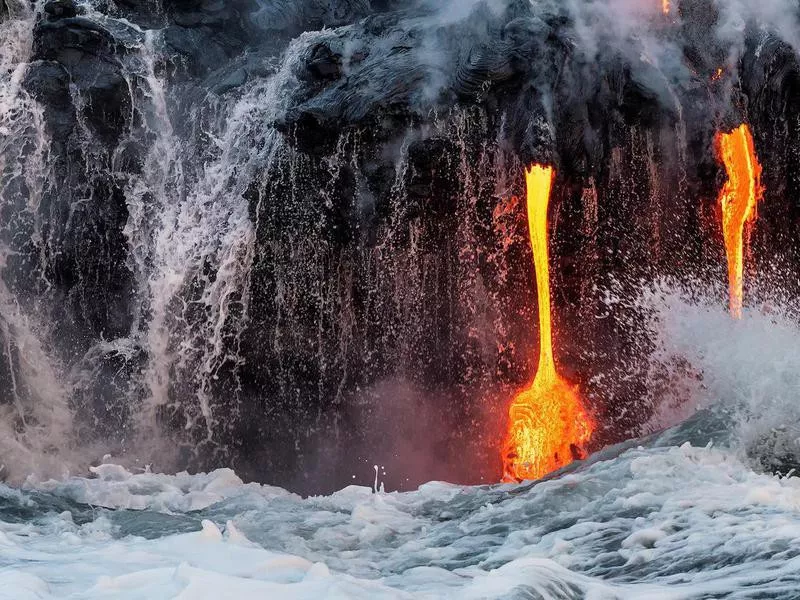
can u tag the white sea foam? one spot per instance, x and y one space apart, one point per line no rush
676 522
115 487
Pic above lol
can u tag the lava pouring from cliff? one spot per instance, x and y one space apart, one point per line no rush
738 199
548 426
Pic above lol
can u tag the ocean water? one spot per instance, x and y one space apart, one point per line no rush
660 522
707 507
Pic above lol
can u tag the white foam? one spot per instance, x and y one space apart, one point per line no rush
115 487
672 522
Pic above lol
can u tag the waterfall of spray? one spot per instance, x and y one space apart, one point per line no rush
35 419
197 288
149 193
190 249
161 180
367 314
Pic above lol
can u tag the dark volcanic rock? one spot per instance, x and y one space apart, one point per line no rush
386 249
48 82
324 63
61 9
91 57
79 76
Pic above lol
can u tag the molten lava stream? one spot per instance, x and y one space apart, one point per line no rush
548 426
738 199
665 6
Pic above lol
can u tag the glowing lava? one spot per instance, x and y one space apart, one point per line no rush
738 199
665 6
548 425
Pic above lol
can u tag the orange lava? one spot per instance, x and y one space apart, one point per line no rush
738 199
665 6
548 426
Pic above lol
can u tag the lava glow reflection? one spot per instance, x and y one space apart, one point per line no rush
738 199
548 426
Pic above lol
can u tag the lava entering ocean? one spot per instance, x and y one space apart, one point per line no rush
738 199
548 426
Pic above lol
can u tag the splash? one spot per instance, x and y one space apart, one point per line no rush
548 425
738 199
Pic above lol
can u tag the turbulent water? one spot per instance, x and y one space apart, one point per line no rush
674 522
284 239
689 512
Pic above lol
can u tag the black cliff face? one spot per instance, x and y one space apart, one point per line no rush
385 310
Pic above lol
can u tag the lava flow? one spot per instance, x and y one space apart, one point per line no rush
548 426
738 199
665 6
